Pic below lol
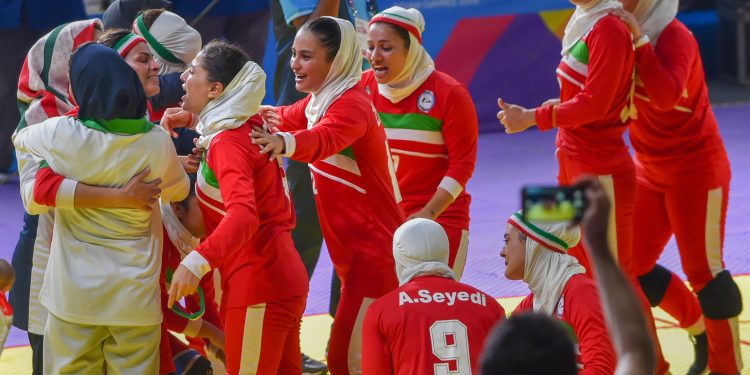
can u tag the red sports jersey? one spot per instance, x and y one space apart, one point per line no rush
433 138
355 187
580 308
430 324
248 217
676 138
595 81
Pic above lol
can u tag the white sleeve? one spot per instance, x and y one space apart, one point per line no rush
175 184
37 139
32 146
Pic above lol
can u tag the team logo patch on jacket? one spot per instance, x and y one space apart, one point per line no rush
426 101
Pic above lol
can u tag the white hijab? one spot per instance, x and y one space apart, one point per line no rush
182 239
420 248
345 73
239 101
548 267
654 16
583 20
418 66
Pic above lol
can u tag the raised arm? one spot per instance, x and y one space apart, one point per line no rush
609 49
622 311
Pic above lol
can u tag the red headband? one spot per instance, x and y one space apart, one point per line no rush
410 28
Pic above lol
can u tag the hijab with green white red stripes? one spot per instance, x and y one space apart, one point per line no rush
548 266
174 43
419 65
43 83
583 20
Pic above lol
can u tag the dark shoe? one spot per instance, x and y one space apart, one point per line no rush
700 346
312 367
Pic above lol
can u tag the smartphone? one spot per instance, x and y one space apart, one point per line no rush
552 204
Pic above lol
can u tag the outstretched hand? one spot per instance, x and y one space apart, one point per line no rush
270 115
514 118
269 143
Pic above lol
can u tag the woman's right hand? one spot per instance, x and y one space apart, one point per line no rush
269 143
177 118
270 115
140 194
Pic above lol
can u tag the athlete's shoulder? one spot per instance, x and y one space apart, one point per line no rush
581 287
611 25
352 104
676 32
443 80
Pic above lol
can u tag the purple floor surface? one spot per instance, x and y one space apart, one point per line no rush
505 163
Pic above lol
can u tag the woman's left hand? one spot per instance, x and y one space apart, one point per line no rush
515 118
629 20
183 284
270 144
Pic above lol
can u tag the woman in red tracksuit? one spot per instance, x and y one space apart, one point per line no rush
337 130
596 80
431 124
248 218
683 177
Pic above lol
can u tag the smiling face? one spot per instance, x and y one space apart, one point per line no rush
514 253
388 51
309 62
199 90
142 61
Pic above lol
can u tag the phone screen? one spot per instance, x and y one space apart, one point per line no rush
551 204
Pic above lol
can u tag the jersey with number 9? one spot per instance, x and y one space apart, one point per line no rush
430 325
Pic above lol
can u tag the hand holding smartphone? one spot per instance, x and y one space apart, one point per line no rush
553 204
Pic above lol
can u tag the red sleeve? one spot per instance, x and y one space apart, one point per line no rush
342 125
609 45
586 317
665 69
460 131
232 165
376 358
527 304
293 116
46 184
